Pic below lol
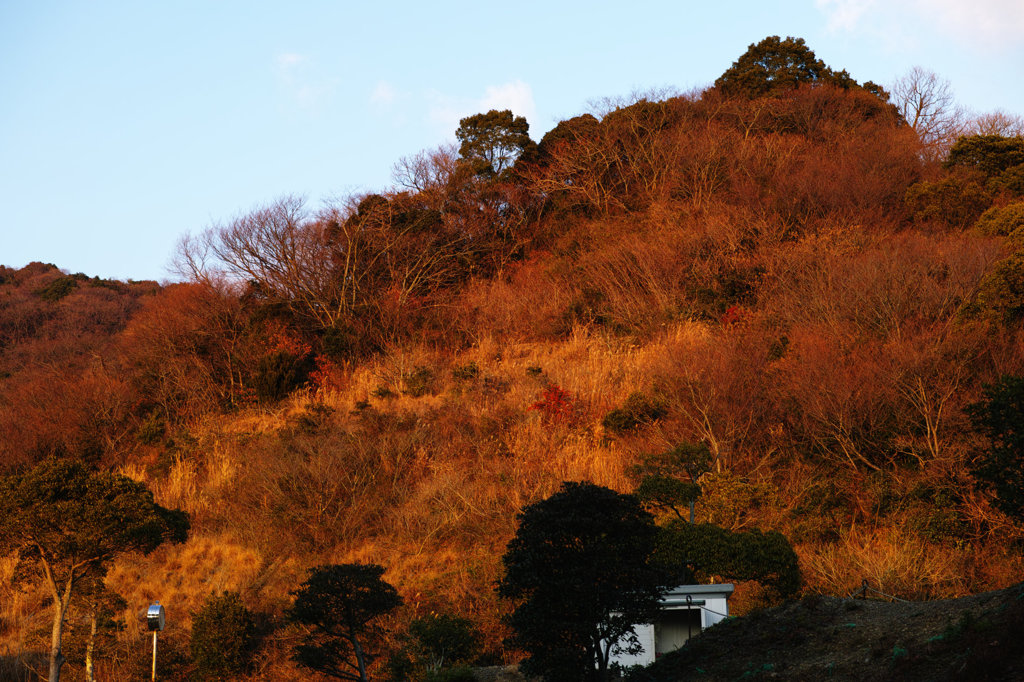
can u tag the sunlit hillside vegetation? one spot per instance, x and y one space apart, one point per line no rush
784 276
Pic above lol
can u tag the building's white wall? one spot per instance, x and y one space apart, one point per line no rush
645 633
715 609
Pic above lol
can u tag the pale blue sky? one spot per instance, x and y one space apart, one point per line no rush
125 124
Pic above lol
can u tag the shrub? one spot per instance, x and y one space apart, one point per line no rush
1015 240
223 636
955 201
278 374
461 673
436 649
466 372
998 416
58 289
638 409
419 382
1001 221
554 403
326 376
1001 292
152 428
1010 180
343 342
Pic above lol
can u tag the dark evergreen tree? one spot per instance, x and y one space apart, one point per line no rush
1000 417
223 636
571 131
990 154
578 573
340 602
668 480
493 141
700 550
775 65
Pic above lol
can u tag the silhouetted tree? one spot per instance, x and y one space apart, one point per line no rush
578 572
340 602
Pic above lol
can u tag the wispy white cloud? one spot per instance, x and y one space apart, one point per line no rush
444 112
983 24
516 96
843 15
303 86
980 25
384 94
287 61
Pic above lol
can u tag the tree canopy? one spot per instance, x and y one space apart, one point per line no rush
67 522
578 573
775 65
493 140
1000 417
990 154
668 480
340 602
704 549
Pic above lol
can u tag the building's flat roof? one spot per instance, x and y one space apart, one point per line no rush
721 588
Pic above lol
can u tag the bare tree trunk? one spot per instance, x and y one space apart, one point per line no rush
60 608
56 655
90 647
360 658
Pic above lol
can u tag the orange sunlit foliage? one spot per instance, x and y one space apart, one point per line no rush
60 392
782 279
189 350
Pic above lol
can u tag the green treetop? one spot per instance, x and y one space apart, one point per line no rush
775 65
493 141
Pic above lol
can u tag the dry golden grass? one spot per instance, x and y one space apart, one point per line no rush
182 577
462 458
892 561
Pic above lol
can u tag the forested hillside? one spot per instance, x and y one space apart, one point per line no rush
788 272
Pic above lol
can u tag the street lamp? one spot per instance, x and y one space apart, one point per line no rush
155 620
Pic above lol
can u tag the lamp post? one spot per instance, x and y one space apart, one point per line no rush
155 620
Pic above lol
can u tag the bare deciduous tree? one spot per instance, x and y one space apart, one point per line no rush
997 123
274 246
428 173
927 103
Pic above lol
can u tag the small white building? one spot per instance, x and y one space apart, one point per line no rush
685 611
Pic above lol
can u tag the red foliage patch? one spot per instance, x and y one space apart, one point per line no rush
555 404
